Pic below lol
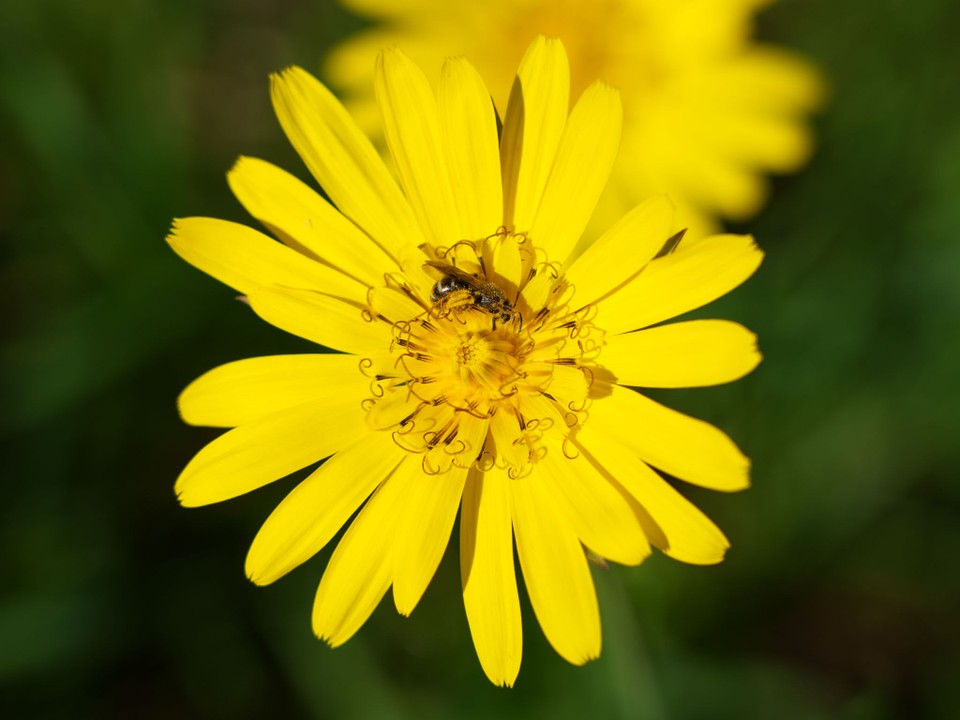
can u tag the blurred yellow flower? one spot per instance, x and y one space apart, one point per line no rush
707 112
479 366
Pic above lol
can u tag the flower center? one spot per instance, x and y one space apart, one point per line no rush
489 371
474 353
478 366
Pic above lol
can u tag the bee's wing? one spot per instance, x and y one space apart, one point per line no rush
452 270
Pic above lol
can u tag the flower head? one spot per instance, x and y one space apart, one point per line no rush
481 367
706 110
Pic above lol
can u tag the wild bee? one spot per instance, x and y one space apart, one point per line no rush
458 290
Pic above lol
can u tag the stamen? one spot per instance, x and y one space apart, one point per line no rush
569 450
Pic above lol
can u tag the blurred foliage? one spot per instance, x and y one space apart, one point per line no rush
839 596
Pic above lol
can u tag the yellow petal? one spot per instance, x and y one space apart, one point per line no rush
773 142
505 432
393 305
538 290
245 259
694 275
306 222
270 448
489 578
621 251
247 390
321 319
468 125
317 508
717 182
766 79
599 514
681 530
391 408
343 160
508 265
546 413
555 571
678 444
361 568
412 129
568 384
471 432
423 532
534 122
686 354
580 171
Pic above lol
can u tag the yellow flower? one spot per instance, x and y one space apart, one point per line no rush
707 112
480 368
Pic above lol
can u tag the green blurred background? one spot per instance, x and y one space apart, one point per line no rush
840 595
